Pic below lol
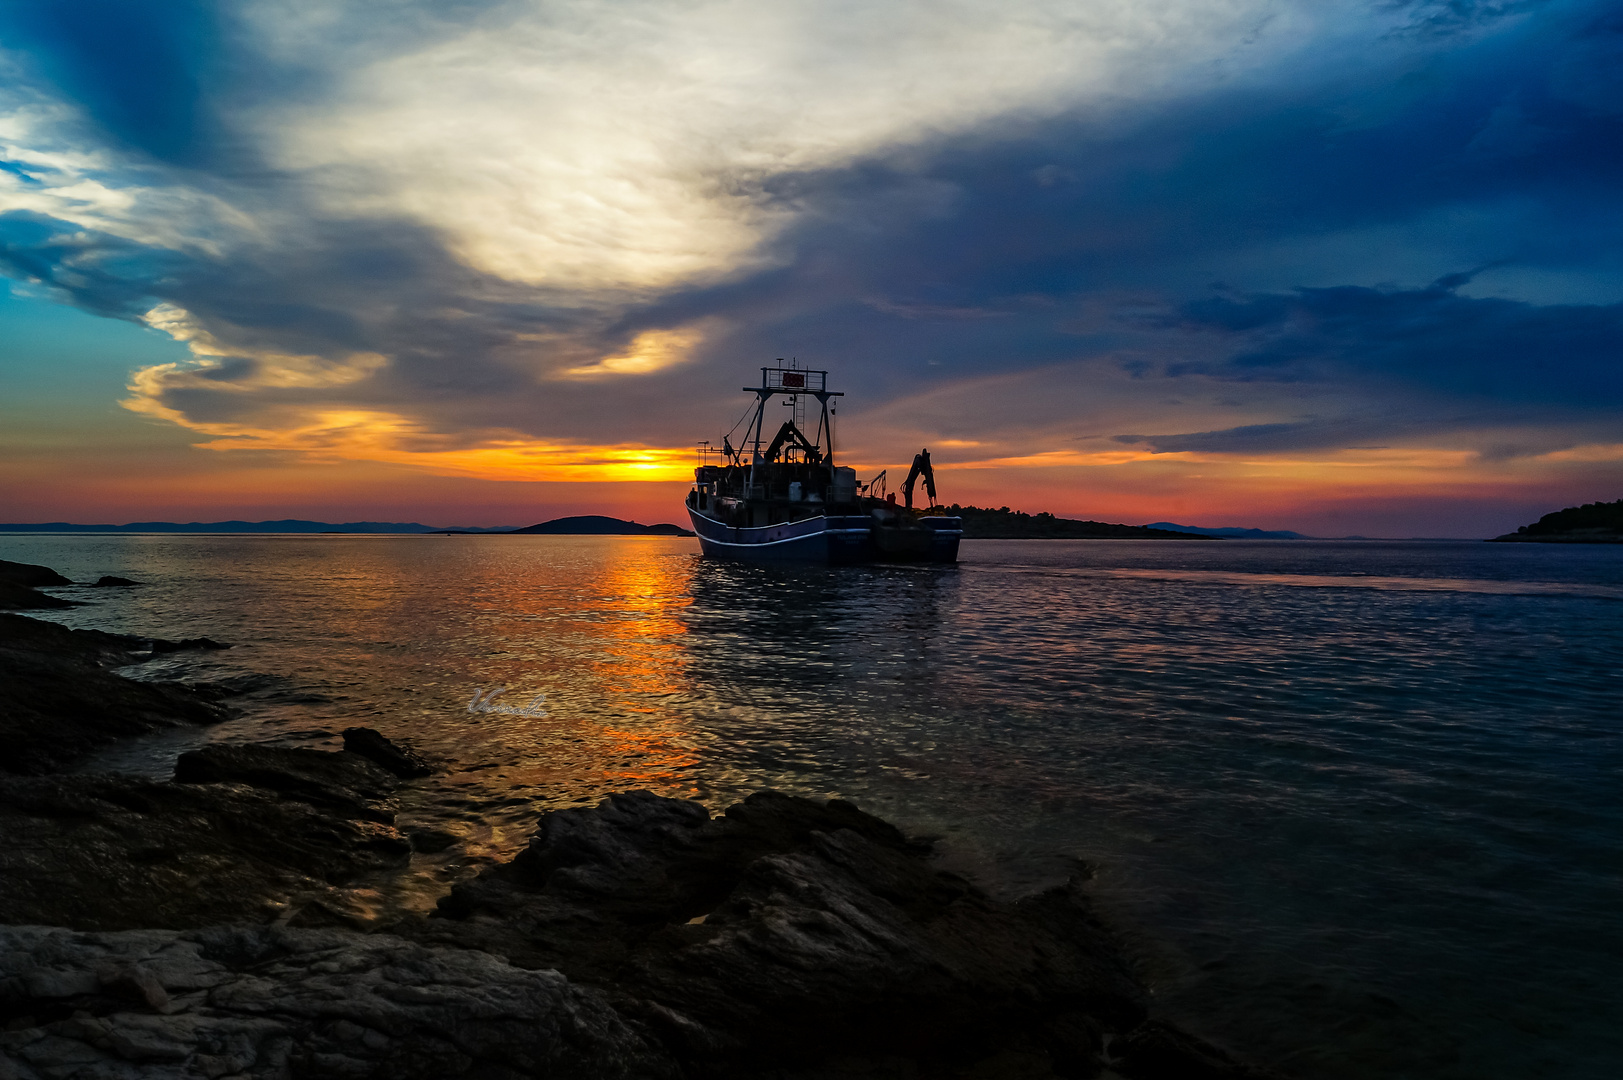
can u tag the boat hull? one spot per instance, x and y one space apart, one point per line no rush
926 539
824 539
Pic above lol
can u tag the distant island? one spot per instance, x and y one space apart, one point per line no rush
598 525
1232 532
1006 524
1592 523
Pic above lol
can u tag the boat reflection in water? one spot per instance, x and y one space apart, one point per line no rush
789 501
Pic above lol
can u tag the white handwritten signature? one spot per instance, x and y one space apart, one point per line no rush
485 701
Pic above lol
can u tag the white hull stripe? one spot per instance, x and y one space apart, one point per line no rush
768 543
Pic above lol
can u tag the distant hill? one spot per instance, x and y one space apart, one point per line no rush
1231 532
286 525
1006 524
598 525
1592 523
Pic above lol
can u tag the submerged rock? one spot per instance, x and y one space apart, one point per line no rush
245 834
402 762
1156 1050
58 702
159 645
272 1003
114 852
21 598
108 581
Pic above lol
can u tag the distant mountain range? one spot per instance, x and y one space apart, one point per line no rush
590 525
1232 532
286 525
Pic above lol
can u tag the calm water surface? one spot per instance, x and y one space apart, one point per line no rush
1357 805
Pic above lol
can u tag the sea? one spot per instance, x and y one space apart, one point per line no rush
1354 807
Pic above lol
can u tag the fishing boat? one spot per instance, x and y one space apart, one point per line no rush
785 499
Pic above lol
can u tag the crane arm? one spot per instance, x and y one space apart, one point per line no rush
790 435
921 467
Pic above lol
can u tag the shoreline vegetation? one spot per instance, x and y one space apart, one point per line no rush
1592 523
1005 524
215 924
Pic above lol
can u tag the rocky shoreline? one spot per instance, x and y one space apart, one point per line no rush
198 927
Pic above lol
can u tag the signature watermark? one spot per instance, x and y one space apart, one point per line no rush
484 701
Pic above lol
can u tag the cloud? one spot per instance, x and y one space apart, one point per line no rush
650 351
1247 439
645 144
1516 355
517 237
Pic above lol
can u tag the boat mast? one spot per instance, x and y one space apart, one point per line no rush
791 382
763 394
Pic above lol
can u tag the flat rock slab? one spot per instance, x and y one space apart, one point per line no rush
344 783
28 575
641 938
18 582
271 1004
796 938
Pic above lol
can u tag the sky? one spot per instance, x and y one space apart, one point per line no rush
1332 266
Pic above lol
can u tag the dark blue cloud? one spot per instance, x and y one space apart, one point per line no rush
103 274
1043 223
1261 438
1432 339
138 68
168 78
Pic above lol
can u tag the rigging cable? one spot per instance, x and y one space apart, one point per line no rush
741 419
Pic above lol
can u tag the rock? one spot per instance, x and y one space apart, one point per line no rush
29 576
275 1003
402 762
643 937
21 598
57 703
341 782
115 852
431 841
1156 1050
18 582
108 581
788 931
158 645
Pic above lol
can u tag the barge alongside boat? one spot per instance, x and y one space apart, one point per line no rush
789 502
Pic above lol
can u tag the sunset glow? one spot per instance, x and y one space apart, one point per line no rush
1105 259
